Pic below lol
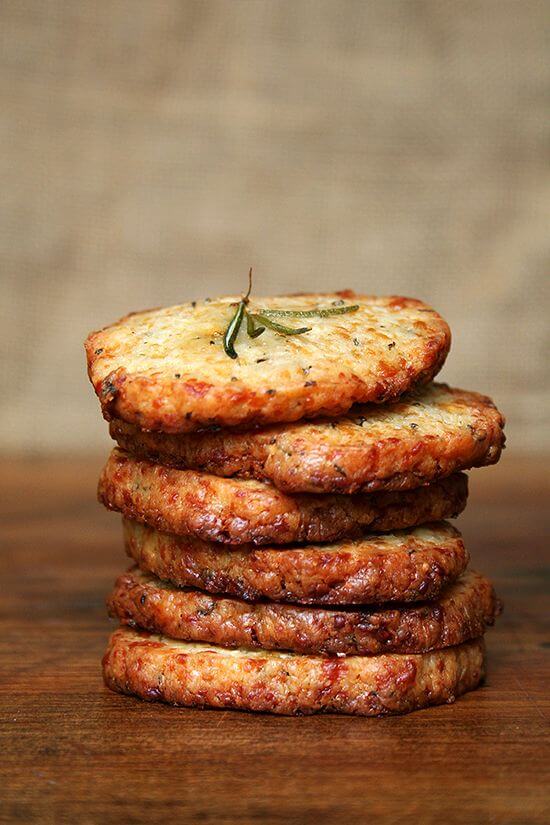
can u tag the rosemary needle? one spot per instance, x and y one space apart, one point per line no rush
235 324
280 328
233 330
308 313
251 328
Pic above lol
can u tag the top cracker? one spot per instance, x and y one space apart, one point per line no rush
167 369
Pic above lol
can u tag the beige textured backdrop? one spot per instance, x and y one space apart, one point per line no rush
151 151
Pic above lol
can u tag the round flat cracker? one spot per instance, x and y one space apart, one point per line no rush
429 434
409 565
462 612
166 369
156 668
239 511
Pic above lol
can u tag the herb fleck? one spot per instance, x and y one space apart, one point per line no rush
108 389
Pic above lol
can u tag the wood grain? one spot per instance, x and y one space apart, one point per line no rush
74 752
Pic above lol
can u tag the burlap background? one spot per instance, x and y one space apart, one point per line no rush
151 150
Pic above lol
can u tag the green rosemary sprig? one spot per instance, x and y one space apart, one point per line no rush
256 322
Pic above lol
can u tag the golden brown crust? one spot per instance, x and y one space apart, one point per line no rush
427 435
462 612
167 370
239 511
410 565
191 674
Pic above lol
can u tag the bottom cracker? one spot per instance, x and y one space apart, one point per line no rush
199 675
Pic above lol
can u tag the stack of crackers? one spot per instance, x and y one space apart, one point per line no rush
284 468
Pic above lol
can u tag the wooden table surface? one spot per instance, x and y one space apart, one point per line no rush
74 752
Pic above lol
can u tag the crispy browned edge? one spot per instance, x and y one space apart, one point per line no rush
289 461
236 511
311 574
156 670
195 404
462 612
